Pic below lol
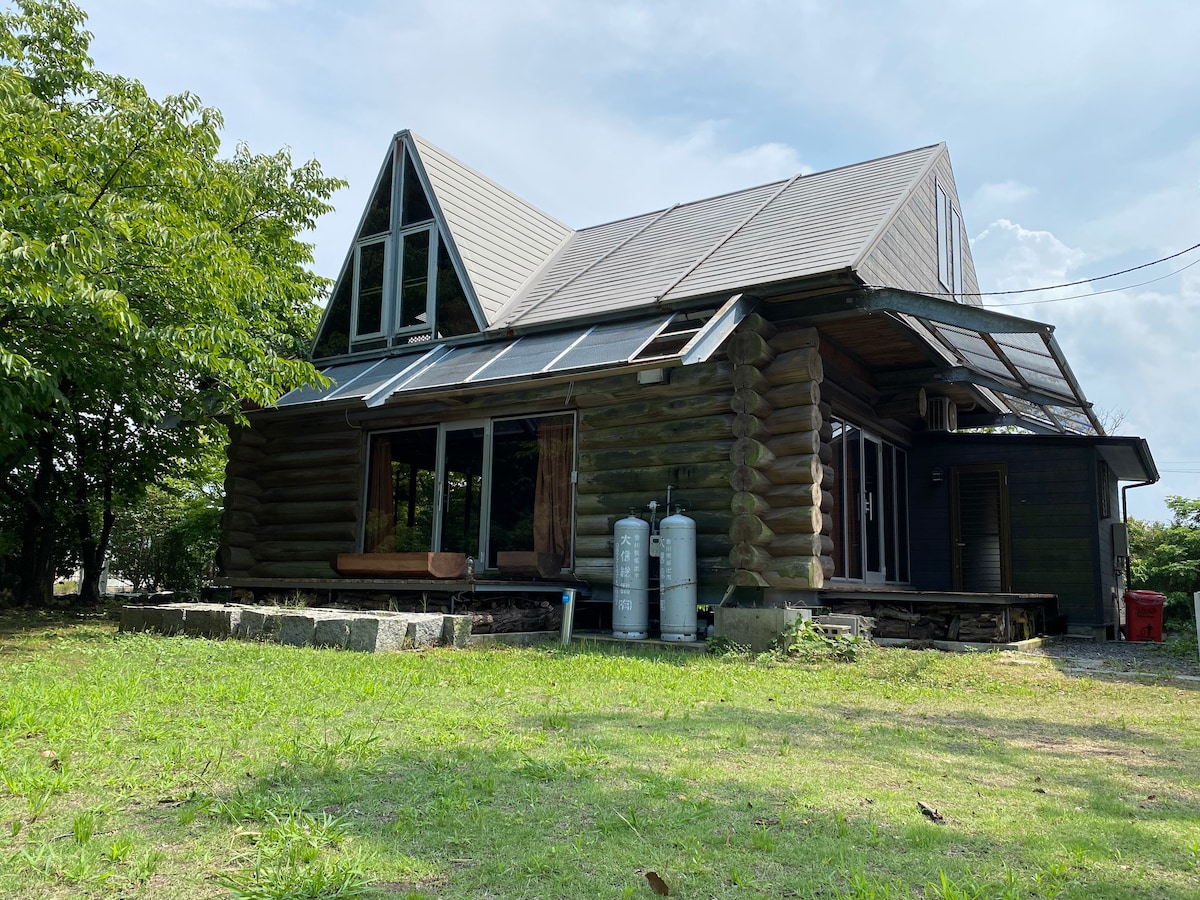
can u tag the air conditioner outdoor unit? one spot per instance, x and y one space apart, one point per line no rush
942 414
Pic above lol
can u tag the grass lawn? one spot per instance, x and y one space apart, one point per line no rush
138 766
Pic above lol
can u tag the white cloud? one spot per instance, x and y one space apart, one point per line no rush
1009 257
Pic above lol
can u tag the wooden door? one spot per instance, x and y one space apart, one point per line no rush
980 529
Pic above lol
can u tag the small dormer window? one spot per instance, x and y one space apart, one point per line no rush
399 284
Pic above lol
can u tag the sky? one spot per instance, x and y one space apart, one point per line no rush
1073 128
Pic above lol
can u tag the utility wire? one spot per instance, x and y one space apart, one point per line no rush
1093 293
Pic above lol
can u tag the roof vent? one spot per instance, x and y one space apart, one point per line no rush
942 414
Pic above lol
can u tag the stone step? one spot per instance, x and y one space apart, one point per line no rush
367 632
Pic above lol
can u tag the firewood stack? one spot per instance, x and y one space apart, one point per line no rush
941 622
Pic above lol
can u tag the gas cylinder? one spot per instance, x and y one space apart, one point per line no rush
631 578
677 578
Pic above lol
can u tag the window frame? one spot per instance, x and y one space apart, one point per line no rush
488 425
384 298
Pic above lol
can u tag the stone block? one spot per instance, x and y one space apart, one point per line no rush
378 634
260 624
424 629
331 631
296 629
208 621
456 631
133 618
754 626
172 619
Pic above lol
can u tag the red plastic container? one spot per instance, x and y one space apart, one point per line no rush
1144 615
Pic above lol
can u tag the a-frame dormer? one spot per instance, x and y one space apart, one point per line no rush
436 251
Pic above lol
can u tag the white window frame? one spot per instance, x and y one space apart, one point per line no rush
385 305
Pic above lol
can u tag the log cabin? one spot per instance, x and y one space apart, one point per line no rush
805 365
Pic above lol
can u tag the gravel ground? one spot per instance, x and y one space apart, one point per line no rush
1176 656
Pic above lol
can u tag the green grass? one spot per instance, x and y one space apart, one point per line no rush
138 766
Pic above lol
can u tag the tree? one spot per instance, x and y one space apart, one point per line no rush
1166 558
148 287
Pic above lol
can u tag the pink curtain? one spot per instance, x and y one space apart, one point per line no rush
552 496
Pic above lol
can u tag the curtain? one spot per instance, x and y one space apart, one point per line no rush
381 499
552 495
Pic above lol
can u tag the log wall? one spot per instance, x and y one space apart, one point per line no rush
780 472
292 498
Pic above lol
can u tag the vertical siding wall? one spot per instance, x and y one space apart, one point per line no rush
905 256
780 530
1053 519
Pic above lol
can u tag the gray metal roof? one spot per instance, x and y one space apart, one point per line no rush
501 239
773 233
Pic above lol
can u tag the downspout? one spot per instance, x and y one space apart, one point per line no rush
1125 518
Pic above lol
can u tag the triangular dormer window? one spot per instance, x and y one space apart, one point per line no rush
400 283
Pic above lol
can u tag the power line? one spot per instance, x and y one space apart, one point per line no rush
1093 293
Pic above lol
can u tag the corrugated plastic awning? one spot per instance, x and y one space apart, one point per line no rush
1005 355
681 338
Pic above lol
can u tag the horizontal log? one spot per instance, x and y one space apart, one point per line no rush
748 400
245 487
236 560
620 502
239 520
745 348
795 365
794 520
326 475
793 418
749 556
243 539
309 459
346 532
300 440
754 322
827 477
785 496
749 452
710 521
656 409
302 551
300 493
745 478
747 578
795 339
694 380
801 545
705 428
599 568
750 377
403 565
243 436
825 453
797 393
654 478
597 545
795 470
656 454
747 426
292 569
794 443
807 580
750 529
746 503
286 513
241 503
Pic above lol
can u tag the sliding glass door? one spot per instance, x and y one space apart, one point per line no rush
870 506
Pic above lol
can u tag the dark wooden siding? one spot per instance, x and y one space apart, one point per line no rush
1055 543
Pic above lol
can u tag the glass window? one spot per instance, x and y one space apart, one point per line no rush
378 219
414 279
501 486
334 338
454 314
416 206
368 316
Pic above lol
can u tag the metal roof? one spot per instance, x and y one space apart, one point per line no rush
779 232
1015 360
681 338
